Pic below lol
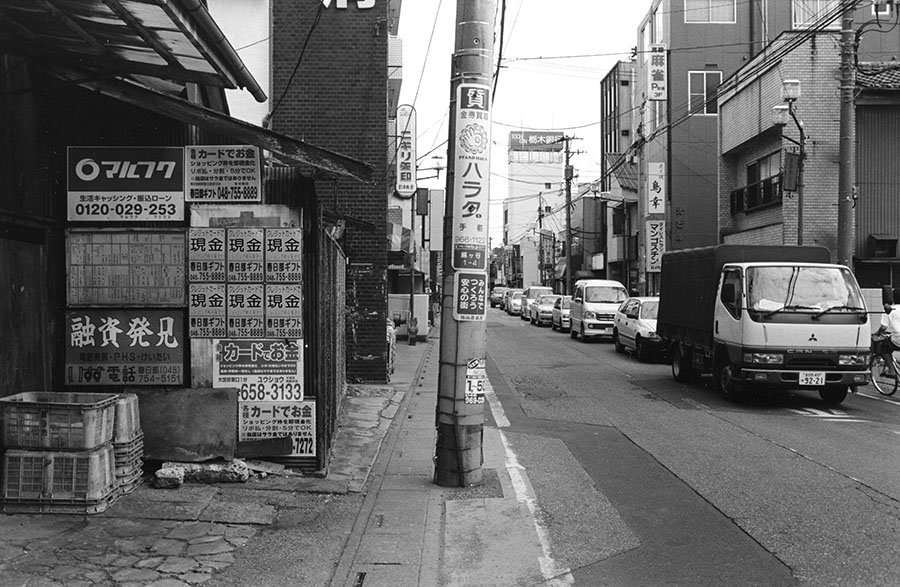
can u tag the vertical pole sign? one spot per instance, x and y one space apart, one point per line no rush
406 151
470 203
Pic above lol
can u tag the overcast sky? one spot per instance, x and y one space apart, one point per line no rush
555 54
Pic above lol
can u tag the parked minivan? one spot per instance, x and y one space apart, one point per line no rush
532 293
593 308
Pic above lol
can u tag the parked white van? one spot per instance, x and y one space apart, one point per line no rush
593 308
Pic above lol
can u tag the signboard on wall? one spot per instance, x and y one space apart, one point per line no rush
260 420
124 346
125 268
206 254
471 180
116 184
656 188
406 152
535 141
245 310
222 173
208 314
656 244
657 73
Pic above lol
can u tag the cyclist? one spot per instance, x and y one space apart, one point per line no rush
889 331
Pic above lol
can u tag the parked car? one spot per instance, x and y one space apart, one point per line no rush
514 303
560 317
635 328
497 295
504 302
532 293
594 305
541 310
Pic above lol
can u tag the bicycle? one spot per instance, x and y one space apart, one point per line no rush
884 378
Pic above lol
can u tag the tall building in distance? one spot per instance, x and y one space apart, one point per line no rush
534 209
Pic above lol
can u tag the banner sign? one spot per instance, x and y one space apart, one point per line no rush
470 296
471 181
115 184
122 347
222 173
406 151
656 244
657 73
125 268
535 141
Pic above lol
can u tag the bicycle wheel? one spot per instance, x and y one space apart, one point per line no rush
882 377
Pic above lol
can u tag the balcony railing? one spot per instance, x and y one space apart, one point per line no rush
757 195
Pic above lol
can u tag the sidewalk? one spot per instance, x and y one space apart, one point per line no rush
406 531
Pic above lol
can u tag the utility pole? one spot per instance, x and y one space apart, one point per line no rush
568 175
541 238
846 170
461 375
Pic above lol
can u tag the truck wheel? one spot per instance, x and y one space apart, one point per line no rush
619 347
583 337
727 384
681 365
833 395
572 332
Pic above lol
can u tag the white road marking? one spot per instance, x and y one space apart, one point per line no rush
496 408
879 398
555 574
827 416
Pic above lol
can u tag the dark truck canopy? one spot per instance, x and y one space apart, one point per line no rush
690 278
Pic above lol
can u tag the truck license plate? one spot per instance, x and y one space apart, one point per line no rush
813 378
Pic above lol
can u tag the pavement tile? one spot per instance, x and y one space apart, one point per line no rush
244 513
218 547
176 565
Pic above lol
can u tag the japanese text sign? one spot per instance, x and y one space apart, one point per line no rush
657 73
260 420
125 184
246 310
262 370
284 255
656 244
535 141
207 310
656 188
245 251
120 347
470 296
206 254
222 173
471 181
125 268
406 151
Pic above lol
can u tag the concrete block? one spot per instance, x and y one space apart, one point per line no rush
232 472
169 478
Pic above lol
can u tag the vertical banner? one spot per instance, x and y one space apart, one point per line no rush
657 73
470 296
406 151
471 181
656 244
656 188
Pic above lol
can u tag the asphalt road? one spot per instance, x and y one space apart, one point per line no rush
775 490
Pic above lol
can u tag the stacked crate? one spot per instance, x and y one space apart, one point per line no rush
128 444
58 454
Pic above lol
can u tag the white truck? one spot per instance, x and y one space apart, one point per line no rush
780 316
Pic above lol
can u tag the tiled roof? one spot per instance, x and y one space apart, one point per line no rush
879 76
626 172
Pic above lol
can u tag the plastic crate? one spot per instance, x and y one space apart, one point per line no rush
47 506
128 419
64 477
57 420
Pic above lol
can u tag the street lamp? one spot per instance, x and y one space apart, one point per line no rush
781 113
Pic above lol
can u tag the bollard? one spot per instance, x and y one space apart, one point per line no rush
412 330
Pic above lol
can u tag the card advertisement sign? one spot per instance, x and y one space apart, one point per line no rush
471 182
284 252
222 174
124 346
260 420
208 314
125 184
245 255
206 255
245 310
261 369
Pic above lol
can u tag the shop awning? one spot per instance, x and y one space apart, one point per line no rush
152 54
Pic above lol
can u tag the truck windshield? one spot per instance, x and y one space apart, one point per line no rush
802 289
604 294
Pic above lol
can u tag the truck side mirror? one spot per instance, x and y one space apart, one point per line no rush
887 295
728 294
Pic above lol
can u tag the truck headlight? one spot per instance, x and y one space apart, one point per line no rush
590 315
853 360
652 335
764 358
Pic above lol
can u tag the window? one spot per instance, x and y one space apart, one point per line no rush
763 186
702 91
710 11
881 10
807 13
618 221
657 20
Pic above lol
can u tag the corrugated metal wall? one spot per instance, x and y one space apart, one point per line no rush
878 174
